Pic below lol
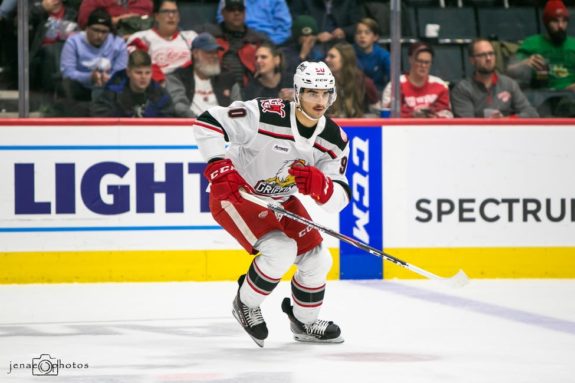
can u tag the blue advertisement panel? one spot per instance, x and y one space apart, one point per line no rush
362 218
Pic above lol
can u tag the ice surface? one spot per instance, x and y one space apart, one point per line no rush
395 331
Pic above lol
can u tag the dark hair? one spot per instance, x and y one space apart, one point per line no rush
275 51
471 46
418 47
139 58
158 4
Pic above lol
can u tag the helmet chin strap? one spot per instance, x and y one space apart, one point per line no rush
305 114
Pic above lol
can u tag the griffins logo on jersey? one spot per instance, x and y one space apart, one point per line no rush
274 105
282 182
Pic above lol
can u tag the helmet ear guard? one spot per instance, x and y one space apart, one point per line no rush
314 75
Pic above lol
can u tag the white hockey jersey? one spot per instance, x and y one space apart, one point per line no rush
168 54
264 142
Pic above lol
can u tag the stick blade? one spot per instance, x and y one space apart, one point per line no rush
458 280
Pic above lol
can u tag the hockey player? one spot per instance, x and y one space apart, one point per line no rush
277 148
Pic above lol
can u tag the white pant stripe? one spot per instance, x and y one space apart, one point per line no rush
239 222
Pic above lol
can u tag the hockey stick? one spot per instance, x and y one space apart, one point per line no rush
457 280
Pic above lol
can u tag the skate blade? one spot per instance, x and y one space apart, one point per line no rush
311 339
259 342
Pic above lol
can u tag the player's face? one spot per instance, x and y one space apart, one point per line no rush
314 101
140 78
483 58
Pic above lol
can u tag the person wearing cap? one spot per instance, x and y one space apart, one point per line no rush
238 41
169 47
422 95
372 59
270 17
547 60
91 57
201 85
488 94
302 46
133 93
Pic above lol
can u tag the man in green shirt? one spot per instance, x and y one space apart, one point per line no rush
547 61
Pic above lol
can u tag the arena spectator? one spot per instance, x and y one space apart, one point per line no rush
239 42
302 46
356 93
133 93
167 45
547 60
422 95
487 93
336 18
373 60
269 80
128 16
270 17
8 45
201 85
51 22
7 8
89 58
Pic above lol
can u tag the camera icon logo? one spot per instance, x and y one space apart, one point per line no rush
44 365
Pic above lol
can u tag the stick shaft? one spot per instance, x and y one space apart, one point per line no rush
372 250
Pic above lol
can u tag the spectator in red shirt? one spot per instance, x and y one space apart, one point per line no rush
422 95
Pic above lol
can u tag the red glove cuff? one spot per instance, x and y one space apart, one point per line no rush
218 169
225 181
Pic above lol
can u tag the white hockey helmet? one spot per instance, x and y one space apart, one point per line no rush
314 75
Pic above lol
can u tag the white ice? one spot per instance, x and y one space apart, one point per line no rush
489 331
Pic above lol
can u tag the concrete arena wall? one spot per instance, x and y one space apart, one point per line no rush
123 200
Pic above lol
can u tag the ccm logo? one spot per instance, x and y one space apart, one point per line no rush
304 231
223 170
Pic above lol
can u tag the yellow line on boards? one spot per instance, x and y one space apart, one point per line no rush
130 266
527 262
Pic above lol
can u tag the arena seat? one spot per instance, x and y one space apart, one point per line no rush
507 24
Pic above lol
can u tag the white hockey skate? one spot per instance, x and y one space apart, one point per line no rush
320 331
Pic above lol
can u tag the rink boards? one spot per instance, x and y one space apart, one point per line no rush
112 200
